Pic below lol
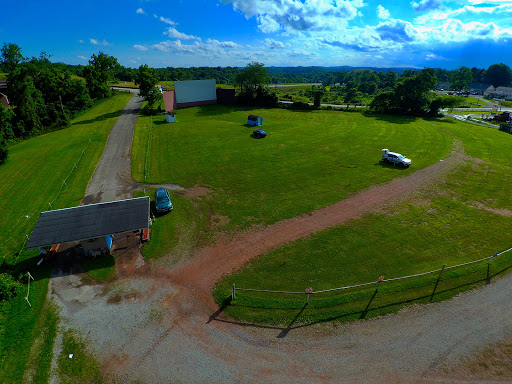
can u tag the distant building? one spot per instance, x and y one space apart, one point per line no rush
190 93
499 92
478 87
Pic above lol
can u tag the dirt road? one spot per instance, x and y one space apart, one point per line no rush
156 325
112 178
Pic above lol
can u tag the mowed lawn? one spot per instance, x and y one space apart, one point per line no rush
312 159
308 160
31 179
465 217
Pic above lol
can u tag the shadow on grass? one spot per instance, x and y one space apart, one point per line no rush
385 164
285 331
106 116
154 212
68 261
215 110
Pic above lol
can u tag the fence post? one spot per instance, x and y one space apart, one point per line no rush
28 290
488 280
437 282
308 292
233 292
380 280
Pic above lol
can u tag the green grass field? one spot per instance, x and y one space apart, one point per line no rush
32 178
308 160
450 224
312 159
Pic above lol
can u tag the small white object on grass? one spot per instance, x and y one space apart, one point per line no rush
70 355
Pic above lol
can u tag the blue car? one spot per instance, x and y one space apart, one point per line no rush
163 201
260 133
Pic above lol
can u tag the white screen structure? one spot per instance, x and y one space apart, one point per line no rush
195 90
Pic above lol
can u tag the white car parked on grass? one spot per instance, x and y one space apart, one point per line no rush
395 158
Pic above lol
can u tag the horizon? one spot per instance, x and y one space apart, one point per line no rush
278 33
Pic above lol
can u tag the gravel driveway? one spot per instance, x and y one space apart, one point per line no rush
162 326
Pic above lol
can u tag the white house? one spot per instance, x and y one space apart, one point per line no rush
499 92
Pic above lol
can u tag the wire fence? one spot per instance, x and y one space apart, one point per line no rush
310 291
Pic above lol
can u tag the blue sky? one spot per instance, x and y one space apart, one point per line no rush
185 33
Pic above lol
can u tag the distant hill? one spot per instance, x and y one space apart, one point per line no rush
304 70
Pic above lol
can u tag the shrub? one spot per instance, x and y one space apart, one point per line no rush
8 286
300 105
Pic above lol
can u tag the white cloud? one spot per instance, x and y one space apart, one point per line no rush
382 13
432 56
298 15
427 5
488 1
175 34
97 42
453 30
467 12
167 21
396 30
81 41
274 44
140 11
82 57
222 44
140 47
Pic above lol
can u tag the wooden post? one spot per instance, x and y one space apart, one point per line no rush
380 280
363 314
488 280
308 292
437 282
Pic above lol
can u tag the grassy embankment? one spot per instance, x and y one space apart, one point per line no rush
32 178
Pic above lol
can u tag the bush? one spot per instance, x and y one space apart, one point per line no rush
8 287
4 151
300 105
148 111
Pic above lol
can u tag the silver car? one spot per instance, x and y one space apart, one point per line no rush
395 158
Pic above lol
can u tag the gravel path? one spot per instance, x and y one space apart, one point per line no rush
112 178
156 325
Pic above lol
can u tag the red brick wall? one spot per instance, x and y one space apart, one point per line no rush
170 101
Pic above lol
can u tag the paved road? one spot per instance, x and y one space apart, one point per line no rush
135 91
329 105
112 179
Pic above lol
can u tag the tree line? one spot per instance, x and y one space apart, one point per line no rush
45 96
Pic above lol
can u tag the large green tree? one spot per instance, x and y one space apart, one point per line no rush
252 77
498 75
11 56
411 95
147 79
461 78
98 74
6 131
